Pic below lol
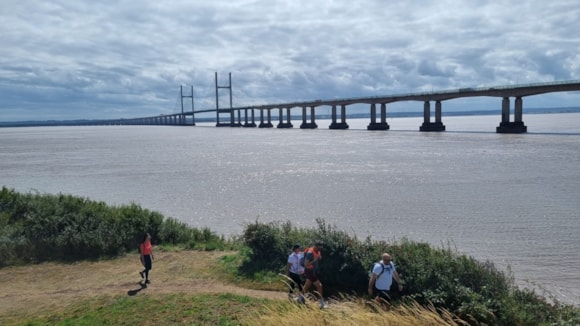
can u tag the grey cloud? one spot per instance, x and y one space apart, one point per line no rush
431 68
120 58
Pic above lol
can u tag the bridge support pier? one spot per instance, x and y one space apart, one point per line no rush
342 124
308 125
286 124
427 124
374 125
507 127
267 124
233 122
252 122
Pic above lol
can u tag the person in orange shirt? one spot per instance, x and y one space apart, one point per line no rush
145 249
312 257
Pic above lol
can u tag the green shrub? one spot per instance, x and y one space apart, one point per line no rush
266 243
44 227
470 289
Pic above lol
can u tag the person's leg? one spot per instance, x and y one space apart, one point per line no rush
295 282
383 299
310 278
141 273
300 290
306 286
318 285
300 283
148 266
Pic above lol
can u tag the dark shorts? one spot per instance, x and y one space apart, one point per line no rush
147 261
310 274
384 294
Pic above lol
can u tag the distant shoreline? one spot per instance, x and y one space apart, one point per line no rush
83 122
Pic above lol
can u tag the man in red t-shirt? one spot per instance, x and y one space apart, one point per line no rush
312 257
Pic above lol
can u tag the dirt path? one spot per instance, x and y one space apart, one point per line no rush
51 287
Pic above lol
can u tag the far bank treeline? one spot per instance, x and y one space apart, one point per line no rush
36 228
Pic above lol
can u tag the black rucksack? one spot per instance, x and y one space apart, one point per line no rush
385 267
303 257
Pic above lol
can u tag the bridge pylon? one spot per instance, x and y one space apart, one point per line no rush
182 119
231 111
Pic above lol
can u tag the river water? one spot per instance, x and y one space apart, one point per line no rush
512 199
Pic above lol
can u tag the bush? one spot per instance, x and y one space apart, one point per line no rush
470 289
37 228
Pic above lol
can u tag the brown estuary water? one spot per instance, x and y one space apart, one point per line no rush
511 199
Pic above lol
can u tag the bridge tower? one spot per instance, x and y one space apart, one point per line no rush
182 119
231 112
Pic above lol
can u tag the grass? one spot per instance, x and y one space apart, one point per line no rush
188 288
351 312
54 288
167 309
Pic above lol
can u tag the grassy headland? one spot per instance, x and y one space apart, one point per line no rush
69 260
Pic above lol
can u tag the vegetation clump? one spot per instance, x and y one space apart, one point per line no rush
37 228
472 290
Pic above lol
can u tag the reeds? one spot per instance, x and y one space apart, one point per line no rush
352 311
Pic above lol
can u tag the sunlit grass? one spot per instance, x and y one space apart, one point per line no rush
351 311
229 309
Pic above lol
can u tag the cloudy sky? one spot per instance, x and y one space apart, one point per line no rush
70 59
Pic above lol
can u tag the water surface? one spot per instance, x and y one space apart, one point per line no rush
512 199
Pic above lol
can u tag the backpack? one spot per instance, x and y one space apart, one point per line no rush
303 257
385 267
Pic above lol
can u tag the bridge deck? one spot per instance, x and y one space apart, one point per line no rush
505 91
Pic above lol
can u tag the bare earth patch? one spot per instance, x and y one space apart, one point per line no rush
50 287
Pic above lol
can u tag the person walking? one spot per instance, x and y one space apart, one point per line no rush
312 257
145 249
295 271
381 279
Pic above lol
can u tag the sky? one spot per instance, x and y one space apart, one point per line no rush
75 59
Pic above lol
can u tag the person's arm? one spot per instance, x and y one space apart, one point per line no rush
288 268
372 283
141 254
309 259
398 280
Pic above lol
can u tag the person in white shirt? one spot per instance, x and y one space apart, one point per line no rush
294 270
382 277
